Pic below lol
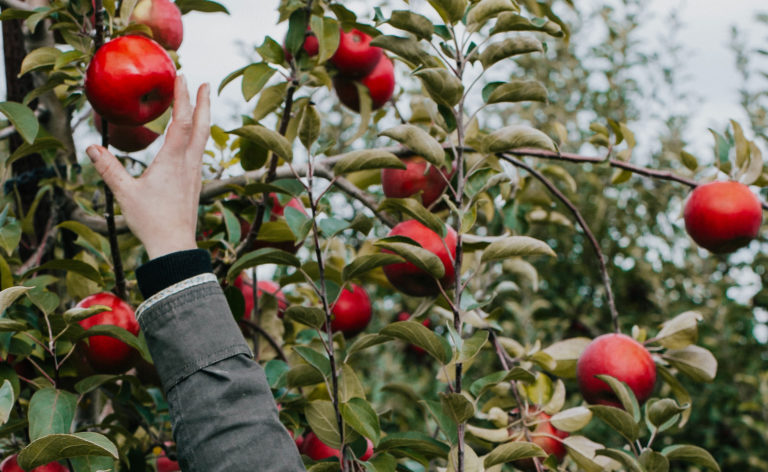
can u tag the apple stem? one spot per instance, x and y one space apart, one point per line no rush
583 224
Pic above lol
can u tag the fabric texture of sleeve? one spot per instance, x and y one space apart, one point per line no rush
223 414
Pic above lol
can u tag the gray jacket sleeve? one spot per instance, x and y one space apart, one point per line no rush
223 414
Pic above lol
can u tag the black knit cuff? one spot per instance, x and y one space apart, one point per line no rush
170 269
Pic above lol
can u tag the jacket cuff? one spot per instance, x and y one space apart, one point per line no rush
170 269
189 330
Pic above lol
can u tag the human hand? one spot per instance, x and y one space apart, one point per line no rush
160 206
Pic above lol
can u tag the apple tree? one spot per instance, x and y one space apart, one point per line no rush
467 273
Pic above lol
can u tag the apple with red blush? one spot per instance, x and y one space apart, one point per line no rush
104 353
352 311
418 177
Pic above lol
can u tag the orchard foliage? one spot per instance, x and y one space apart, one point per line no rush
552 249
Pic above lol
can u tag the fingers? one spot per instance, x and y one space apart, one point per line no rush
177 138
201 127
110 169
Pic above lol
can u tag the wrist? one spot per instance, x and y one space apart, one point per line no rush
168 246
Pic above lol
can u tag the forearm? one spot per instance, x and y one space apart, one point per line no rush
223 414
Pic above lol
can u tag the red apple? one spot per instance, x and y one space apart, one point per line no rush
403 316
163 17
621 357
164 464
352 311
317 450
723 216
415 178
106 354
10 464
130 80
127 138
311 46
245 284
410 279
355 57
380 84
541 435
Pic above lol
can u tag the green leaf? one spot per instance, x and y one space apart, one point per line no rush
51 411
415 210
10 295
618 419
316 359
93 463
407 49
509 21
70 265
518 91
450 11
689 160
361 417
314 317
7 400
510 47
75 314
420 335
63 446
443 419
422 258
118 333
368 262
41 144
255 77
582 451
327 31
22 118
444 87
269 100
472 345
515 137
572 419
321 417
309 125
625 395
681 331
93 382
513 451
303 375
696 362
364 341
485 10
458 406
690 454
653 461
566 354
412 22
663 410
93 238
514 246
38 58
267 139
262 256
622 457
366 159
205 6
420 442
419 141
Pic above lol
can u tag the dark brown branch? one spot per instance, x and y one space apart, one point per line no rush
582 223
275 345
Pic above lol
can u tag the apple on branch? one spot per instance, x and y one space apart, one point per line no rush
163 17
104 353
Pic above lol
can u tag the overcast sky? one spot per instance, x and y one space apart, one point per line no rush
214 44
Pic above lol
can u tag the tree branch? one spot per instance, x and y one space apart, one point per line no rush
582 223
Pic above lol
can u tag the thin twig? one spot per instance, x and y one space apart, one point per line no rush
584 227
272 342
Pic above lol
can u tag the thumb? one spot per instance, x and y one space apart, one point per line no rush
110 169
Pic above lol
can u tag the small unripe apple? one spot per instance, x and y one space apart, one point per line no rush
104 353
127 138
621 357
410 279
352 311
163 17
542 435
415 178
723 216
355 57
130 80
245 285
317 450
311 45
10 464
380 84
